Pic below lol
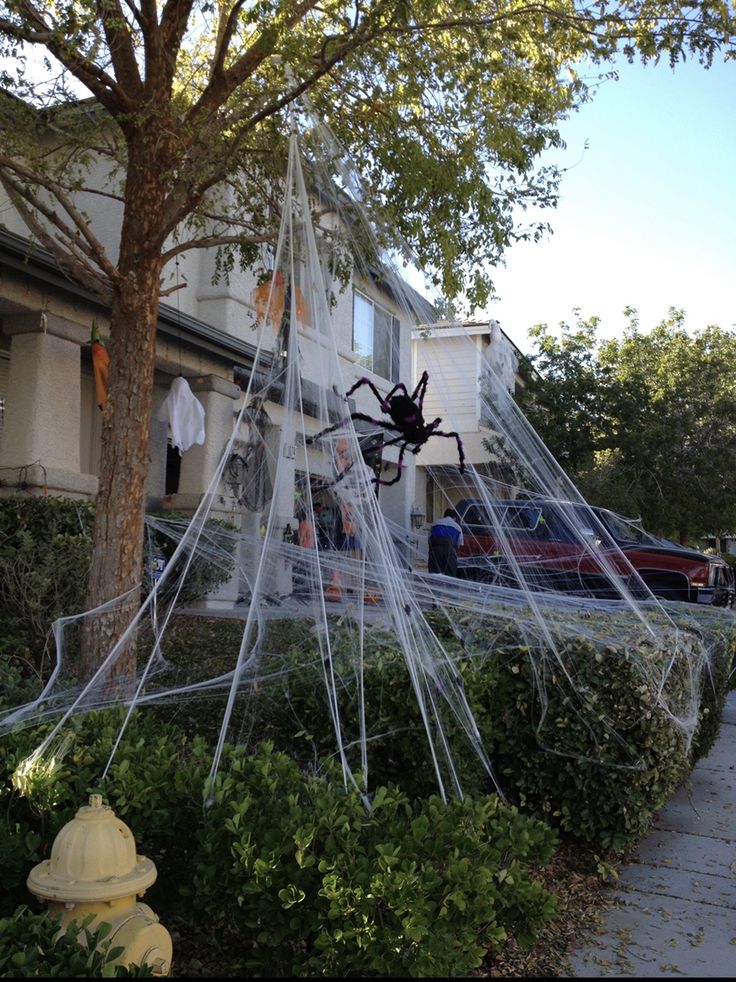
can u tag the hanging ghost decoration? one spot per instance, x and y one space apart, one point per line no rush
185 415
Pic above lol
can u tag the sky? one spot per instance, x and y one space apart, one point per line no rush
647 214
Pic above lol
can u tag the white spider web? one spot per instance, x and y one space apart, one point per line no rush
363 610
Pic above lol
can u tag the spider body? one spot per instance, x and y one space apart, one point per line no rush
405 419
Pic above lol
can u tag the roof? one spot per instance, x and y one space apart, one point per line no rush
38 264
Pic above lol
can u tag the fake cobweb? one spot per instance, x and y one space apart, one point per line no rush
330 609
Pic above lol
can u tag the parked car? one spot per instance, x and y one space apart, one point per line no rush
575 548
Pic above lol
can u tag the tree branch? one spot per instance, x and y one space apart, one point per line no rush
120 45
210 242
80 235
37 31
222 85
172 28
76 266
225 35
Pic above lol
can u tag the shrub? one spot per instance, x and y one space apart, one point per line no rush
300 880
716 629
594 751
593 748
154 784
287 874
213 561
31 946
292 709
44 558
45 548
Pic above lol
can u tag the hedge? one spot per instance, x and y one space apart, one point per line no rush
45 547
288 874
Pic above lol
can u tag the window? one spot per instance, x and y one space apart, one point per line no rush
620 529
376 335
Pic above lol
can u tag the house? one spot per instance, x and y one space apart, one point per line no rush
51 425
457 357
209 333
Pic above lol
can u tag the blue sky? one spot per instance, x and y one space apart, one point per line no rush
647 217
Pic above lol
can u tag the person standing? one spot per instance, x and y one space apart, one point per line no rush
326 520
445 538
304 566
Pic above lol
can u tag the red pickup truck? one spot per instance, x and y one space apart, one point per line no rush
571 547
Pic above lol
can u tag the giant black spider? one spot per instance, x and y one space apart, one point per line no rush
405 412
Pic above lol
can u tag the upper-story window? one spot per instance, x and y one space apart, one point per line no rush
376 335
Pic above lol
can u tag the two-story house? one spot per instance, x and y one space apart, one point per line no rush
51 425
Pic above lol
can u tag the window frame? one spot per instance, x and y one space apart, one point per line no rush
394 340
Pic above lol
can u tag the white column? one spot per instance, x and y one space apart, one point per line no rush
43 416
198 466
199 463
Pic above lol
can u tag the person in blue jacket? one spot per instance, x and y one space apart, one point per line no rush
445 538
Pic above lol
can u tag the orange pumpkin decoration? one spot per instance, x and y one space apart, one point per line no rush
269 300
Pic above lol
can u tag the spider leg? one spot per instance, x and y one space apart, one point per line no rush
399 387
399 465
391 443
343 474
460 451
385 400
420 391
362 417
381 424
328 429
383 403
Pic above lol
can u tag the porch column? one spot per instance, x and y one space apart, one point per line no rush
41 436
198 464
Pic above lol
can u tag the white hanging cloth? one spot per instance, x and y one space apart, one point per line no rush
185 415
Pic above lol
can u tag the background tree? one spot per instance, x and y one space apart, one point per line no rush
660 441
444 107
562 395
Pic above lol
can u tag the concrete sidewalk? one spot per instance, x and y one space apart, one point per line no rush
674 908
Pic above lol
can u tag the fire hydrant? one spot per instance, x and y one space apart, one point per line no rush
94 869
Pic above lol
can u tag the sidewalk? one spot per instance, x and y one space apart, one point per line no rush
673 910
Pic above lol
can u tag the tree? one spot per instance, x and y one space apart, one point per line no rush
444 106
562 393
660 441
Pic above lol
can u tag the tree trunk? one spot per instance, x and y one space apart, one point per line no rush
117 556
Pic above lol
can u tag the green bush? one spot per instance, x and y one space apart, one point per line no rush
292 709
213 560
593 735
17 686
45 546
298 879
31 946
716 628
44 559
593 747
154 784
284 873
594 751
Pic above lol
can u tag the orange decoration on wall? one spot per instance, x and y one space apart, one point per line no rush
277 296
302 308
100 367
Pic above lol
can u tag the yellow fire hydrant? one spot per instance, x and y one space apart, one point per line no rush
94 869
